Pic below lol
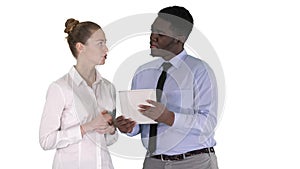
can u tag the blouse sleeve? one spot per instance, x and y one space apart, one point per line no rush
51 135
112 138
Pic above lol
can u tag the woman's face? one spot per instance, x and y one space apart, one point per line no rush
95 51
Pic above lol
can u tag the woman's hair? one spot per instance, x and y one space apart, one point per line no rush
79 32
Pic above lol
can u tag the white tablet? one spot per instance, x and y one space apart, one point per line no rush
130 99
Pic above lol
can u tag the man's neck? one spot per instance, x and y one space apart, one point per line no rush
172 55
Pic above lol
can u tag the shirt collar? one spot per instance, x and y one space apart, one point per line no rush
175 61
78 79
98 77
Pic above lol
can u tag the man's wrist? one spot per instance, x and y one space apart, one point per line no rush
167 117
170 119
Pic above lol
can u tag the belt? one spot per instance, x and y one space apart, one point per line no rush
164 157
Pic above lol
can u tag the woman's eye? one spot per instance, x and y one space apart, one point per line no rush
102 43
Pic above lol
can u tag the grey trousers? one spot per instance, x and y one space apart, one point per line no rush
200 161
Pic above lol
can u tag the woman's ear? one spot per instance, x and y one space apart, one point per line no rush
79 47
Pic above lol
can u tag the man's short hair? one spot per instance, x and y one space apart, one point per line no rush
180 18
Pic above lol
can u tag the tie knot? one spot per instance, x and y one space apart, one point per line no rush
166 66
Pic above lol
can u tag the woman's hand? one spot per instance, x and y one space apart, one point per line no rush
102 124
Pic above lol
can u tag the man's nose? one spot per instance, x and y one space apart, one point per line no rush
153 36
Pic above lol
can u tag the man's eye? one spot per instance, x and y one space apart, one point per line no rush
158 33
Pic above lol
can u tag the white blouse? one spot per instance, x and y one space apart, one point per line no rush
71 102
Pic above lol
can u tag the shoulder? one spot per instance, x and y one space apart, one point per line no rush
107 84
56 89
63 82
196 63
62 85
154 64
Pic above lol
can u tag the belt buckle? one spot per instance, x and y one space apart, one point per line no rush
162 158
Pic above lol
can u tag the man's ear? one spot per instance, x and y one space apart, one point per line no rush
181 38
79 47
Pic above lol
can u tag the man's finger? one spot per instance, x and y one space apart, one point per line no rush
123 122
144 106
154 103
120 117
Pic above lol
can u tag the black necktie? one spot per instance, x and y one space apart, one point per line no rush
159 87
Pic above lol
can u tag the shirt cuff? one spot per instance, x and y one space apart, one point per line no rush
111 138
180 120
134 131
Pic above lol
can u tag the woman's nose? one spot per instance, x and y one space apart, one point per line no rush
105 48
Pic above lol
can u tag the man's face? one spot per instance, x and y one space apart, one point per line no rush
162 40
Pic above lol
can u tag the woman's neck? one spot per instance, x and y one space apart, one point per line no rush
87 73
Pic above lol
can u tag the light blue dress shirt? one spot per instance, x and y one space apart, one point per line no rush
190 91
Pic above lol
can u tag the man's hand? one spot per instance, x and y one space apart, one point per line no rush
157 112
124 125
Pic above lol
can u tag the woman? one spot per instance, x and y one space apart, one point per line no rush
78 115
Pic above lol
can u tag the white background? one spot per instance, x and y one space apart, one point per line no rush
256 41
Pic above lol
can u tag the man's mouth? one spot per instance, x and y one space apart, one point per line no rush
153 46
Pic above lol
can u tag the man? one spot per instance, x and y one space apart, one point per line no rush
186 106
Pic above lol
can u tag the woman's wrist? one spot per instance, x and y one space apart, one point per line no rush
82 130
113 130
